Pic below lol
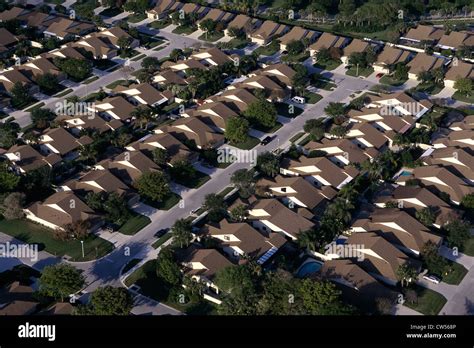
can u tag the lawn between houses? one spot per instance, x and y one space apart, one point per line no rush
29 232
429 302
134 224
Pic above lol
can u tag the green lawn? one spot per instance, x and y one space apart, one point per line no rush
63 93
323 83
268 50
248 144
115 84
34 107
161 240
430 88
352 71
234 44
135 18
90 80
134 224
469 247
312 98
29 232
389 80
463 98
295 58
226 191
328 65
160 24
296 137
211 37
455 274
184 30
429 302
167 203
287 110
273 129
140 56
197 181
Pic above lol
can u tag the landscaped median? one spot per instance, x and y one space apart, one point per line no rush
29 232
134 224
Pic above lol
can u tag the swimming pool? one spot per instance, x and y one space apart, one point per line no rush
309 268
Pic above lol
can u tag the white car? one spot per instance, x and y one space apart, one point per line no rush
432 279
299 100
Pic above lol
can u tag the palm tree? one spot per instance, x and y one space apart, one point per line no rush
143 116
406 274
182 233
306 240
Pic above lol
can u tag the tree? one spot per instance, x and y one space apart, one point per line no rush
116 209
160 156
295 47
321 298
306 240
75 230
239 213
237 129
467 202
424 77
335 110
153 185
60 281
143 115
208 26
42 118
8 180
151 64
77 69
458 233
8 134
323 55
20 95
268 164
406 274
48 83
262 113
167 267
215 206
182 233
236 32
464 86
183 171
176 54
347 7
12 208
301 78
109 300
338 131
315 127
234 279
244 181
122 139
433 260
124 43
401 72
427 216
383 305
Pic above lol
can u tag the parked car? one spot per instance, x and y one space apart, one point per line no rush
162 232
379 75
266 140
432 278
299 100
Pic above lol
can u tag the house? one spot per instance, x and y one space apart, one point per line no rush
379 258
97 181
413 199
10 77
17 299
94 123
400 104
67 51
113 35
365 136
7 40
117 108
217 15
169 77
389 57
457 160
327 41
145 94
214 114
24 159
163 9
298 34
59 308
439 179
183 65
202 265
341 151
296 191
175 150
356 46
462 138
239 240
41 66
456 39
423 33
269 215
424 62
211 57
65 28
458 71
319 171
189 8
128 166
237 99
267 32
280 72
59 141
193 132
242 22
399 228
13 13
273 91
60 209
356 285
467 123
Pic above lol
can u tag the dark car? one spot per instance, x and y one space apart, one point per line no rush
162 232
266 140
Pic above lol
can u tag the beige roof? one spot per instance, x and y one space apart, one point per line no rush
12 13
98 181
63 141
282 72
297 34
120 107
367 132
58 210
459 70
344 147
211 259
64 26
424 62
268 30
456 39
241 21
356 46
424 32
391 55
457 160
328 40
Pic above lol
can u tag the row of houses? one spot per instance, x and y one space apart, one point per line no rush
439 37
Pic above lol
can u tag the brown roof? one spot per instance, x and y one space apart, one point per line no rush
6 38
163 6
328 40
146 91
98 181
211 259
95 123
119 106
59 308
63 141
457 160
368 133
456 39
297 34
17 299
424 62
460 70
424 32
268 30
241 22
391 55
12 13
170 77
356 46
215 55
338 147
282 72
30 159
